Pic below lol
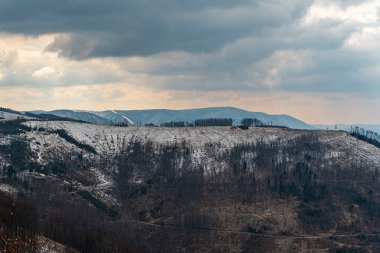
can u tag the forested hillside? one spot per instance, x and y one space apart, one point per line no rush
187 189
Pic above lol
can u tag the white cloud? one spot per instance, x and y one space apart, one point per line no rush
23 62
280 67
44 72
318 12
366 39
364 13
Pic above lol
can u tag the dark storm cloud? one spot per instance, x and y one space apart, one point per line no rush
141 27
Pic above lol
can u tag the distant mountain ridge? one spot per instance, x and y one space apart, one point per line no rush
159 116
347 127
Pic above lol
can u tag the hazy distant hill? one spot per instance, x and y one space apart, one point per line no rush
76 115
346 127
158 116
9 115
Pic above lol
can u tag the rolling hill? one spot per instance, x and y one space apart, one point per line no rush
159 116
100 188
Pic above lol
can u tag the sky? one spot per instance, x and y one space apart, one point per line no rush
316 60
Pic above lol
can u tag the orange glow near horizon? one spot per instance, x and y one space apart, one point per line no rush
311 108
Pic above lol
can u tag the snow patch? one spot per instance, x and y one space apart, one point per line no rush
8 189
128 119
124 117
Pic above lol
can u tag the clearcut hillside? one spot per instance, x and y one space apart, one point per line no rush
202 189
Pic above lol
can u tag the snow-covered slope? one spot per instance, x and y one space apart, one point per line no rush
112 139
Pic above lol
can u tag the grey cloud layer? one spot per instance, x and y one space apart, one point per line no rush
131 27
207 44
